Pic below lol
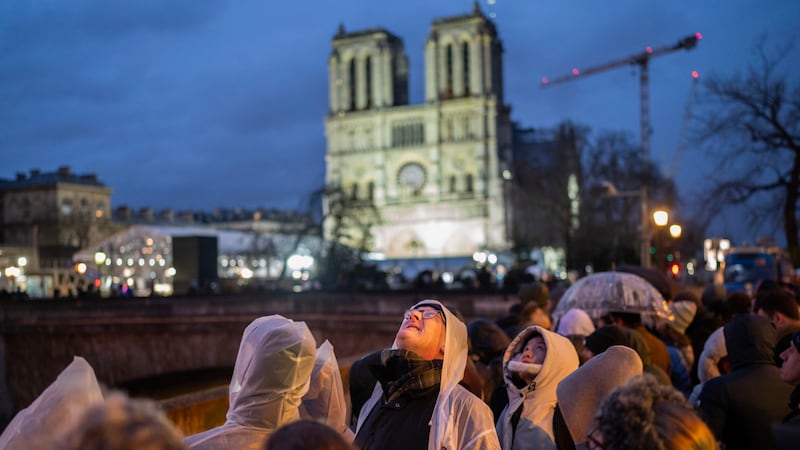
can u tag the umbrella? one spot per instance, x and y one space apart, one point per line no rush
657 278
604 292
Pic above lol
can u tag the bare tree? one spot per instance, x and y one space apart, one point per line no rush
344 228
750 123
611 224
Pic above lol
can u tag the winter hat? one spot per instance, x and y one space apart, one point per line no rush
684 312
581 392
605 337
575 321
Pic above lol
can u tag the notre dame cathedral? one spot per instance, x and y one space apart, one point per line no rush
436 173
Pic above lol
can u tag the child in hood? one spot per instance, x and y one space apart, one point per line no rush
533 365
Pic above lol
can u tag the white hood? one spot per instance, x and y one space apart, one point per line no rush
325 399
271 375
460 420
46 422
535 427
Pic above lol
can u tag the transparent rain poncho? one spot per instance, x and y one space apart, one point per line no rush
270 377
46 422
460 419
325 399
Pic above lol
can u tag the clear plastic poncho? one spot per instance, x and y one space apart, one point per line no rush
325 399
460 419
46 422
270 377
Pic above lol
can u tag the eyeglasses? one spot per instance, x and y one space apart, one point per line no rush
426 313
594 440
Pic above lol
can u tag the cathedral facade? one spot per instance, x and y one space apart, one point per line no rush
435 174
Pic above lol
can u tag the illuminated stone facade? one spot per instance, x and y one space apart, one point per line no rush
434 172
57 213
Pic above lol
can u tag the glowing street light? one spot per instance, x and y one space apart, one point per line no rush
660 217
675 231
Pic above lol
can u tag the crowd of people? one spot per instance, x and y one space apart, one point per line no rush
722 373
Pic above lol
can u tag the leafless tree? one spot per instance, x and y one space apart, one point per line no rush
750 123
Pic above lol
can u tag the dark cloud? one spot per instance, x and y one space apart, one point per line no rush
196 104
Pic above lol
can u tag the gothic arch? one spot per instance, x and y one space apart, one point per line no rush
406 243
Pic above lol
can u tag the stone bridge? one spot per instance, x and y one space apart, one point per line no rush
128 341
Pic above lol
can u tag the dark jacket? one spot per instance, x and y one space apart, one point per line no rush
741 406
402 424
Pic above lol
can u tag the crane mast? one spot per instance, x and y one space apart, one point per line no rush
642 60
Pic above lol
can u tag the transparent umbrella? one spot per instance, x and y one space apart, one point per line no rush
604 292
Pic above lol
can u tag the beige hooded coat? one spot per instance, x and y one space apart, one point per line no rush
538 399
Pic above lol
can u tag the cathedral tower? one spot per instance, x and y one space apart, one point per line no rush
463 58
367 69
435 173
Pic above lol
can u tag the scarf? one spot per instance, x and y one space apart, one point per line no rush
402 371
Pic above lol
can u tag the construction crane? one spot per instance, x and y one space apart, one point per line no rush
642 60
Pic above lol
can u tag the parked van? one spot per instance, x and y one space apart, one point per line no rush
745 267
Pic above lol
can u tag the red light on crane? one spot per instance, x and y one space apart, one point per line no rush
698 36
575 71
695 74
649 49
545 80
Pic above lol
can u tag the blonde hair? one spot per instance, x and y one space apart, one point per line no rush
122 423
646 414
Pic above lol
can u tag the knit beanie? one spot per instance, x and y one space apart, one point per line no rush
605 337
684 312
689 296
575 321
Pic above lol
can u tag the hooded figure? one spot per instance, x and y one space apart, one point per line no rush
740 406
459 420
46 422
581 393
324 400
270 377
531 382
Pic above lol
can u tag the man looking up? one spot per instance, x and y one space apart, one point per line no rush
780 308
418 403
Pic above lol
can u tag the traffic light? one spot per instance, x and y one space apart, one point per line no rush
675 269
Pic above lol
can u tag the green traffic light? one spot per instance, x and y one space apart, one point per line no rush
670 257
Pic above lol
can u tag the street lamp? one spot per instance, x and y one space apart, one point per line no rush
660 217
675 231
